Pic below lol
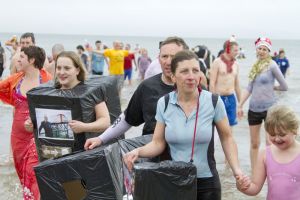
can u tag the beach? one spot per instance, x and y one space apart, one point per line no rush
9 183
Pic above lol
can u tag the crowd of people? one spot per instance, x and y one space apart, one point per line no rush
182 96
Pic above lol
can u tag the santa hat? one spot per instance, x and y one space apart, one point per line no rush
263 42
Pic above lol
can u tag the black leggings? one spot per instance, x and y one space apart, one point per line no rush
208 188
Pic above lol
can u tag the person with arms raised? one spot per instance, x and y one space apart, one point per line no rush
13 91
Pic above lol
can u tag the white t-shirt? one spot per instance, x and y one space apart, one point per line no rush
153 69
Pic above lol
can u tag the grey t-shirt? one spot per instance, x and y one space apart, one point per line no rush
262 88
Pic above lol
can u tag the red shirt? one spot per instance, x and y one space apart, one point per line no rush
128 61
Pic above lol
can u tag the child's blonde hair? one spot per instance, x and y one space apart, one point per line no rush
281 118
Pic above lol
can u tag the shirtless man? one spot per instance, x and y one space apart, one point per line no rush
26 40
56 49
224 79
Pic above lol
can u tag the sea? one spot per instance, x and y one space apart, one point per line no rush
10 188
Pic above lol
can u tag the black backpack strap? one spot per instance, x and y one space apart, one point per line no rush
214 99
167 98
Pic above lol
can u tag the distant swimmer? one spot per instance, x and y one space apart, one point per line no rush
83 56
97 58
26 40
205 59
128 60
14 44
241 54
154 67
116 62
282 62
143 62
56 50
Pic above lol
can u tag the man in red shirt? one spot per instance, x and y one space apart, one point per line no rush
128 64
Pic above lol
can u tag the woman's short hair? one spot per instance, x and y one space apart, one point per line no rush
182 56
36 53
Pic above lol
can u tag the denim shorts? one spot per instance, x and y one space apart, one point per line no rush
127 73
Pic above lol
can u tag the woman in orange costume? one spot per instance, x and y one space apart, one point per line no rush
13 91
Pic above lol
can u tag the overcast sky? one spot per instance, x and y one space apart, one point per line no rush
187 18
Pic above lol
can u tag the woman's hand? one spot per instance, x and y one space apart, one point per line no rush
77 126
28 125
92 143
130 157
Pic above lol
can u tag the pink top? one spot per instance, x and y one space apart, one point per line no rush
283 179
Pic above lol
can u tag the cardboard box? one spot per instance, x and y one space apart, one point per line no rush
51 109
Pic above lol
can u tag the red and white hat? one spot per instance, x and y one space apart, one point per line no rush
263 42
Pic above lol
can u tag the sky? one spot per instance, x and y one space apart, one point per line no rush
277 19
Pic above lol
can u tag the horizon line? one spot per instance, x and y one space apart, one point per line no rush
151 36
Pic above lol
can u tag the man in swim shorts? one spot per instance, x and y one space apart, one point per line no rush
224 79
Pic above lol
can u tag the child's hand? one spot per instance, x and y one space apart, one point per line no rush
243 182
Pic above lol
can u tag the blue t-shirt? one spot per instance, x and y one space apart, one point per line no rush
97 62
283 64
179 131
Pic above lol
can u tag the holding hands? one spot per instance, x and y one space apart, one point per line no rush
240 112
243 182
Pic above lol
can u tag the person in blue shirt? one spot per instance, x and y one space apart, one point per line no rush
282 62
97 59
186 125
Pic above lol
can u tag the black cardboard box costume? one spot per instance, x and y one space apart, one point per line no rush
78 104
95 174
98 174
174 180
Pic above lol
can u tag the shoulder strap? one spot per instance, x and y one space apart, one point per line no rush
214 99
167 98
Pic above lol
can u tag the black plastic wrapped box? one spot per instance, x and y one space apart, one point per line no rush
53 136
83 175
165 180
114 154
94 174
